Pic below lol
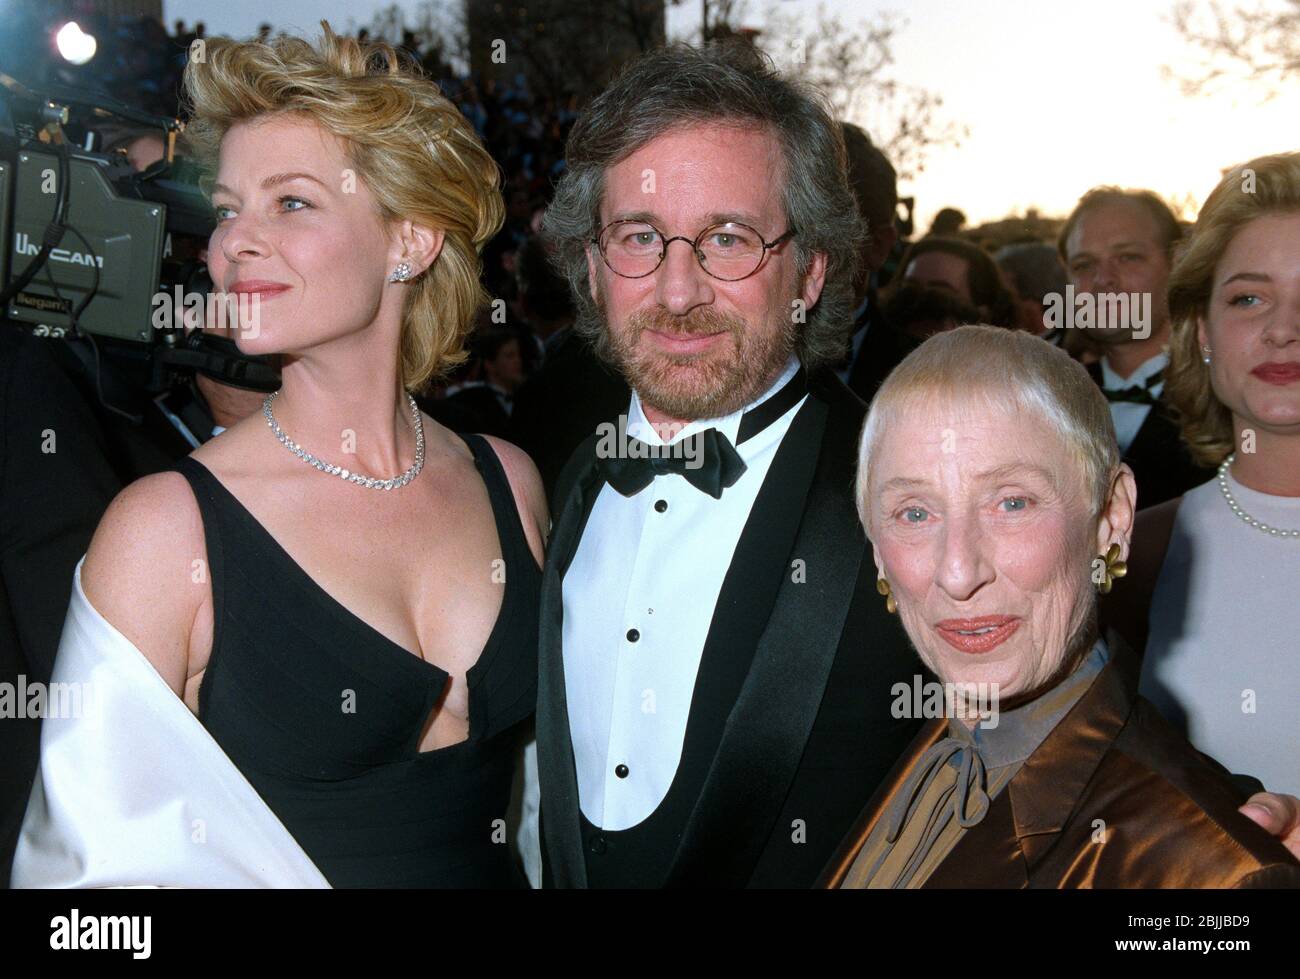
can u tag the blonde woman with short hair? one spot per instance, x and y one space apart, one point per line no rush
342 592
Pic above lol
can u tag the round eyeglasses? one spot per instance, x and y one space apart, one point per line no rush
729 251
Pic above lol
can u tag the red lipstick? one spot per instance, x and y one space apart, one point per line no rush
1275 373
977 635
261 287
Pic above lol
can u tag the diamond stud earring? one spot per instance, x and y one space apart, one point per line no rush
401 273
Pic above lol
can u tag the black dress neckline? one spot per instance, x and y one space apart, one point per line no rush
323 714
435 674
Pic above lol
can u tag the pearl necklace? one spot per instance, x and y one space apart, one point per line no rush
1236 507
367 481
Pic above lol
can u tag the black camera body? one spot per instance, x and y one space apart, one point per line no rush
96 253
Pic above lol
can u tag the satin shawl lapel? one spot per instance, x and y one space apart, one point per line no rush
765 735
989 855
1047 790
577 488
1024 821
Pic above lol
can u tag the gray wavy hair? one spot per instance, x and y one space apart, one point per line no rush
680 85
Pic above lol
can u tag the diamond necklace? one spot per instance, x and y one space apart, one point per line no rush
1236 507
367 481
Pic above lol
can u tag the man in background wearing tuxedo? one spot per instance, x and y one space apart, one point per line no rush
717 669
1122 242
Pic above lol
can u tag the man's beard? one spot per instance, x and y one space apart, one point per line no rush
724 378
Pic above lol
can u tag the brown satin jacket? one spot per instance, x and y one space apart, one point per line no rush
1168 815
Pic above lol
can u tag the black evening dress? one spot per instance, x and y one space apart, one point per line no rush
323 714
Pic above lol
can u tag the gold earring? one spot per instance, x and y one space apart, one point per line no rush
882 586
1115 568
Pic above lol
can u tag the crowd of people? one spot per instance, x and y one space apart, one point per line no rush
984 460
912 289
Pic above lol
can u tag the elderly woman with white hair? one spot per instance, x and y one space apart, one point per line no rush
991 488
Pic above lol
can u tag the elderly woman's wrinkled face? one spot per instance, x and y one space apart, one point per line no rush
982 524
297 230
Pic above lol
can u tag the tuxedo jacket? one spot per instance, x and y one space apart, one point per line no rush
1158 456
1114 797
790 727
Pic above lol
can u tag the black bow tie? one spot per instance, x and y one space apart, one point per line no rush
1138 394
707 459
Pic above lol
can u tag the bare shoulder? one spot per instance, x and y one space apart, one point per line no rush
530 496
139 570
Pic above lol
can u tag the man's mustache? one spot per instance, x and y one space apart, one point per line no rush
701 321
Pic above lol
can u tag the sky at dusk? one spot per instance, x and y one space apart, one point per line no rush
1058 96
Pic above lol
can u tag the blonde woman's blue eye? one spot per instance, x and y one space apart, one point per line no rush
219 211
1018 503
299 200
914 514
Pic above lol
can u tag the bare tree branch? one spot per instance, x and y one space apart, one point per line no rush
852 65
1258 44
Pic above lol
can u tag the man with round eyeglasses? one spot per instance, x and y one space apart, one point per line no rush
716 666
729 251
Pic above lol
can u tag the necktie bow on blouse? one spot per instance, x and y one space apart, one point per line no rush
707 460
969 793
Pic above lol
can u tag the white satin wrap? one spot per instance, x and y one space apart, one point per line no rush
135 792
